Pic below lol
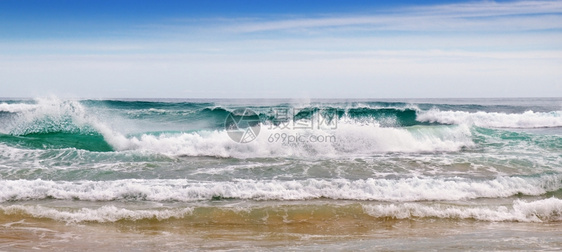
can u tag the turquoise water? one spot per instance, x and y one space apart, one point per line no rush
445 165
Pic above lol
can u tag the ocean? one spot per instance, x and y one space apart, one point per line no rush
332 174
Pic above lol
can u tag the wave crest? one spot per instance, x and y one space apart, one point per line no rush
528 119
407 189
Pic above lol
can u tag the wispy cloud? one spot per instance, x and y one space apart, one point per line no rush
478 16
455 50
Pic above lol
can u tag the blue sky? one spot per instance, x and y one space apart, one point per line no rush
280 49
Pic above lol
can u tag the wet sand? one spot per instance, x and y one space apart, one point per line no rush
344 234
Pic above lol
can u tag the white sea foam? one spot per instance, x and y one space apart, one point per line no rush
406 189
348 138
48 115
16 107
549 210
102 214
534 211
528 119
